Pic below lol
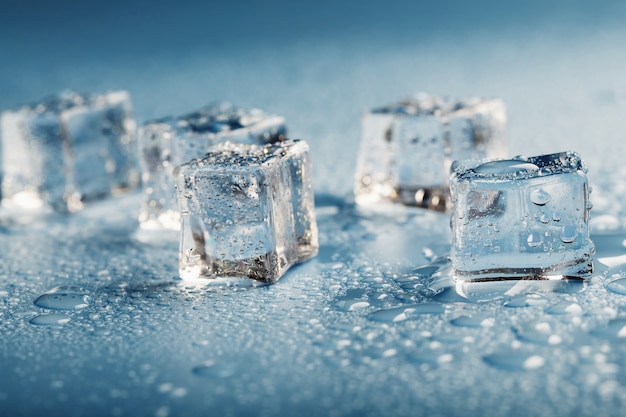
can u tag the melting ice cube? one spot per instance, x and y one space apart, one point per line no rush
247 211
67 150
521 218
170 142
407 148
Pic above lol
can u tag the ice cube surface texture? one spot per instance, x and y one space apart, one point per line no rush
407 148
247 211
521 218
67 150
170 142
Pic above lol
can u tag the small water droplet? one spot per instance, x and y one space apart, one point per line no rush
540 197
49 319
63 298
211 369
568 234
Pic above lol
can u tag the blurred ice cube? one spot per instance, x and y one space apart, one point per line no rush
67 150
247 211
170 142
406 148
521 218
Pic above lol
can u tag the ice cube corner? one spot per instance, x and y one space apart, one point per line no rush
68 149
172 141
407 148
246 211
523 218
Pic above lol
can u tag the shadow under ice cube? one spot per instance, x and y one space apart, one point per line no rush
246 211
67 150
407 148
521 218
168 143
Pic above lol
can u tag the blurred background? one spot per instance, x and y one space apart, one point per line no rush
559 65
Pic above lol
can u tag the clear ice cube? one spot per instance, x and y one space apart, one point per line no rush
67 150
407 148
170 142
521 218
246 211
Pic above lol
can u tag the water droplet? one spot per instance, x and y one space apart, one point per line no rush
49 319
534 239
618 286
506 167
475 321
397 314
540 197
211 369
525 300
615 330
63 298
514 361
565 307
568 234
556 217
540 334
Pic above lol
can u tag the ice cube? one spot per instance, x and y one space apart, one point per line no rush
170 142
407 148
521 218
67 150
246 211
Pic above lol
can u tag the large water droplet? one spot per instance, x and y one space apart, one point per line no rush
618 286
615 330
534 239
539 197
63 298
49 319
506 167
568 234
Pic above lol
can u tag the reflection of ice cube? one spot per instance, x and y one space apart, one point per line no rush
67 150
170 142
407 148
520 218
247 211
